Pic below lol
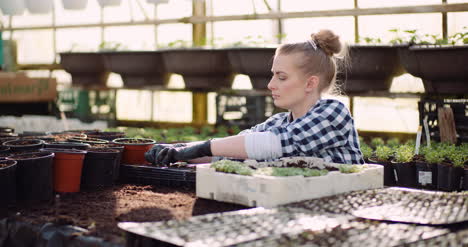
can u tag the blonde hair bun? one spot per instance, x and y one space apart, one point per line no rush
327 41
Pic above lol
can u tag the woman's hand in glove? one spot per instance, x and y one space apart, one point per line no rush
152 154
173 154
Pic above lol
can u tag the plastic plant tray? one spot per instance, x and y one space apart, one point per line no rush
270 191
225 229
152 175
421 207
280 227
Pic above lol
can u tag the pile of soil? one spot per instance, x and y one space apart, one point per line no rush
99 211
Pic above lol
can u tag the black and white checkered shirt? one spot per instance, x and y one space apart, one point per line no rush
326 131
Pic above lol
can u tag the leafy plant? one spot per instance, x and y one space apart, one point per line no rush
458 158
383 153
290 171
433 156
366 151
229 166
377 141
404 154
110 46
393 142
350 168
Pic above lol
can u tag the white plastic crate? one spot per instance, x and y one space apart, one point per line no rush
270 191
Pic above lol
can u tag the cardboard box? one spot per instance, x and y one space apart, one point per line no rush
17 87
269 191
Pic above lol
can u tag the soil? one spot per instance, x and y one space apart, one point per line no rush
88 140
134 141
30 155
24 142
99 211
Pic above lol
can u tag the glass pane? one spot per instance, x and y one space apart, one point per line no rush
308 5
34 46
174 9
91 14
78 39
379 26
172 32
30 20
457 22
240 7
296 32
127 11
131 37
228 32
139 107
386 3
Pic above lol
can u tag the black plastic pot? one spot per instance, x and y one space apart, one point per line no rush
107 135
7 182
3 135
389 171
24 145
426 175
449 177
465 178
34 176
88 140
405 174
67 145
98 167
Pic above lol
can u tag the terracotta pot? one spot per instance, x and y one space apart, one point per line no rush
68 166
134 150
67 145
7 182
34 176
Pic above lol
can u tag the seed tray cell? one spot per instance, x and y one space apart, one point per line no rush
354 233
225 229
348 203
422 207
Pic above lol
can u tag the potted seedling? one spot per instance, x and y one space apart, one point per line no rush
367 152
404 166
134 150
383 156
377 141
440 63
451 172
7 182
426 168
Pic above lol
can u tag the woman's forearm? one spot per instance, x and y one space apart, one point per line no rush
231 146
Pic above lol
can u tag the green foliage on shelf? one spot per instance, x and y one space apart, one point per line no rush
229 166
350 168
377 141
367 151
384 153
290 171
404 154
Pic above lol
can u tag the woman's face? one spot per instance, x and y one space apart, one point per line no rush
288 83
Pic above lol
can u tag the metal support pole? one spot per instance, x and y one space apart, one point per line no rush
199 108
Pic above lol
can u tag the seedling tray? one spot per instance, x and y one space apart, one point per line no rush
279 227
152 175
421 207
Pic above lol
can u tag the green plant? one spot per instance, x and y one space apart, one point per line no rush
370 40
404 154
350 168
377 141
393 142
433 156
366 151
229 166
290 171
383 153
110 46
458 159
412 37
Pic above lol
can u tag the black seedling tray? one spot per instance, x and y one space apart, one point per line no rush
153 175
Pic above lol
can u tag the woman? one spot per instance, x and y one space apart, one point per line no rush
313 126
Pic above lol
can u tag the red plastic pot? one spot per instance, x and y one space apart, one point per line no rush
134 150
68 167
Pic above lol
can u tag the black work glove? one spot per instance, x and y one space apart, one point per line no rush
173 154
151 154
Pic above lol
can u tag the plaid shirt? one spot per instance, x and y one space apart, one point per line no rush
325 131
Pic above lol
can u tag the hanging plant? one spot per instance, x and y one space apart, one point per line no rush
74 4
39 6
12 7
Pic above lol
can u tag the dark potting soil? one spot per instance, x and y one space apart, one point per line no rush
24 142
100 210
134 141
